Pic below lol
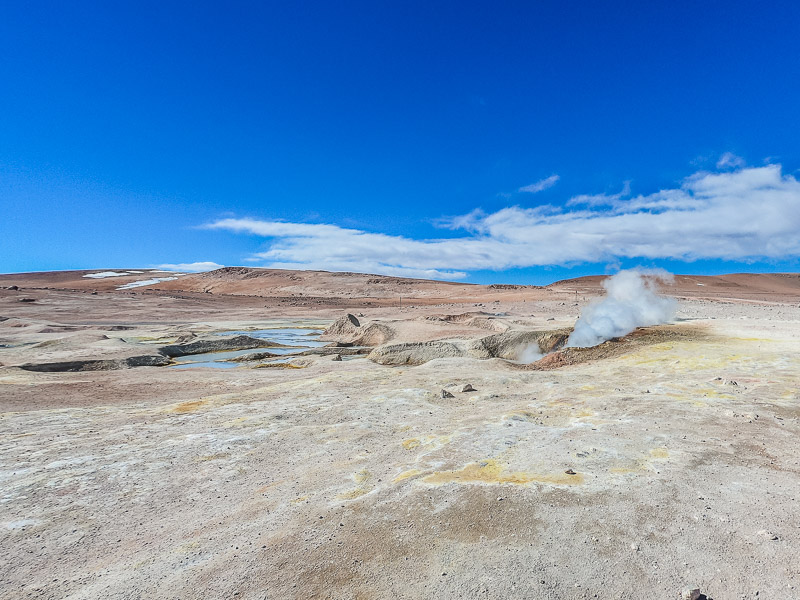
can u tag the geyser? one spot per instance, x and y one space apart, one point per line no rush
632 301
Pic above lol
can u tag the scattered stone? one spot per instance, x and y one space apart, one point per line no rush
27 300
337 358
691 594
468 388
570 472
446 394
12 287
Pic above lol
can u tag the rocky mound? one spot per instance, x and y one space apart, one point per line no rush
511 345
345 326
153 360
479 320
217 344
349 330
416 353
374 334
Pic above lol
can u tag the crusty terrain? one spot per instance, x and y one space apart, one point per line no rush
659 462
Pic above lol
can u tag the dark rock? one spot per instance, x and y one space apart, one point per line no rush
218 344
468 388
252 357
446 394
150 360
337 357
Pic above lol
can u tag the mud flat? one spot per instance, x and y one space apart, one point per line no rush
668 460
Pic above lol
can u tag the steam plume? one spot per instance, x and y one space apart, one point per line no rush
632 301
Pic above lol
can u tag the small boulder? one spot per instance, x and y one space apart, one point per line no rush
446 394
337 358
468 388
691 594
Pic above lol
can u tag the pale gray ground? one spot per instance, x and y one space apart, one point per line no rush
356 480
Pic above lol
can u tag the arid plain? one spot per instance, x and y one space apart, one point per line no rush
357 467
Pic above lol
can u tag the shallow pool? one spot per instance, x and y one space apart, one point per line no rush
296 339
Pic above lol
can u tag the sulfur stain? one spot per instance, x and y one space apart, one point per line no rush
411 443
362 479
661 453
427 440
406 475
622 470
491 472
352 494
191 406
361 476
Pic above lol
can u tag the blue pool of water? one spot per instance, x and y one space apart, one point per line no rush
297 338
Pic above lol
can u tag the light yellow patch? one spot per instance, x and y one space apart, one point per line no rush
213 456
660 453
491 472
436 441
362 479
361 476
352 494
407 474
191 406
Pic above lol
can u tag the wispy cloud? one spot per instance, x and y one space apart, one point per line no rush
601 199
195 267
541 185
742 215
730 161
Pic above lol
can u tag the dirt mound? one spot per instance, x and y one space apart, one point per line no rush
645 336
374 334
237 342
345 326
513 345
153 360
349 330
479 320
510 345
416 353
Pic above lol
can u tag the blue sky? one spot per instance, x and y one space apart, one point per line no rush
517 142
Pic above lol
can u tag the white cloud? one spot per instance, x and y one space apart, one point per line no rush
743 215
195 267
601 199
730 161
541 185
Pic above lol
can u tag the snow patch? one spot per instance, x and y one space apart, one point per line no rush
153 281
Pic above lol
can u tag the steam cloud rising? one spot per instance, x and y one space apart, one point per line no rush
632 301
